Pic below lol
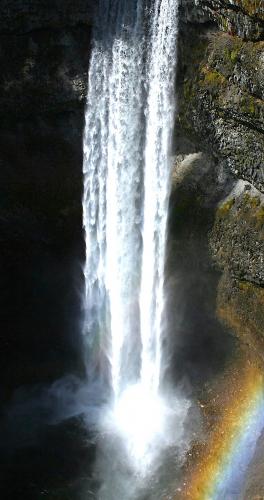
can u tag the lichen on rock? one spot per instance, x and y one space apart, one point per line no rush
241 17
237 237
221 110
222 102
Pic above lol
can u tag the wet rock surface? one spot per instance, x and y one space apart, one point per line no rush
237 238
221 83
254 487
219 140
244 18
221 101
200 342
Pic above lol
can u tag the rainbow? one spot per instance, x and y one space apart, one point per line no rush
220 471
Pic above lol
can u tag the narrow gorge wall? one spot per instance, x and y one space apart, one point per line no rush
44 56
221 111
44 60
217 203
220 163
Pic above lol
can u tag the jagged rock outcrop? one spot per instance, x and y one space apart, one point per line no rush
244 18
240 305
237 237
222 102
44 59
221 110
221 113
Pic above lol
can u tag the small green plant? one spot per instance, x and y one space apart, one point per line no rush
260 215
226 207
212 77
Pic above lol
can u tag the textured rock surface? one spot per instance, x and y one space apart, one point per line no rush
240 305
201 343
48 68
244 18
192 12
221 111
254 487
237 238
221 107
222 101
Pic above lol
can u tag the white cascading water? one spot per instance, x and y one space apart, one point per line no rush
129 121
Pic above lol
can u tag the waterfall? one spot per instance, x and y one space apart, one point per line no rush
128 128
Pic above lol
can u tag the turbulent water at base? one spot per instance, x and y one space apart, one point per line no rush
127 167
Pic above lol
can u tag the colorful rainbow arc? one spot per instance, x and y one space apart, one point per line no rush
221 471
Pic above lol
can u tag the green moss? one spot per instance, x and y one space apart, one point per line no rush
224 23
260 215
234 55
224 52
248 105
188 90
212 77
251 7
252 201
225 207
244 285
232 50
251 107
255 201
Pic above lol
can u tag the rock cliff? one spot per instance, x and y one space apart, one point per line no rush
244 18
221 117
221 90
43 87
217 207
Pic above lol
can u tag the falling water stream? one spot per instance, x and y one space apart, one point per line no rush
127 166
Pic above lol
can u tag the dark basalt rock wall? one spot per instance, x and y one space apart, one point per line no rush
217 199
44 61
242 216
222 101
221 110
244 18
221 115
44 58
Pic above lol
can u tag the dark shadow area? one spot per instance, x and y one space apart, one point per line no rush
42 251
199 343
44 62
57 467
40 300
41 254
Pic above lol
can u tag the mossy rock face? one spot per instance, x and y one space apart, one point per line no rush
222 102
237 238
241 17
